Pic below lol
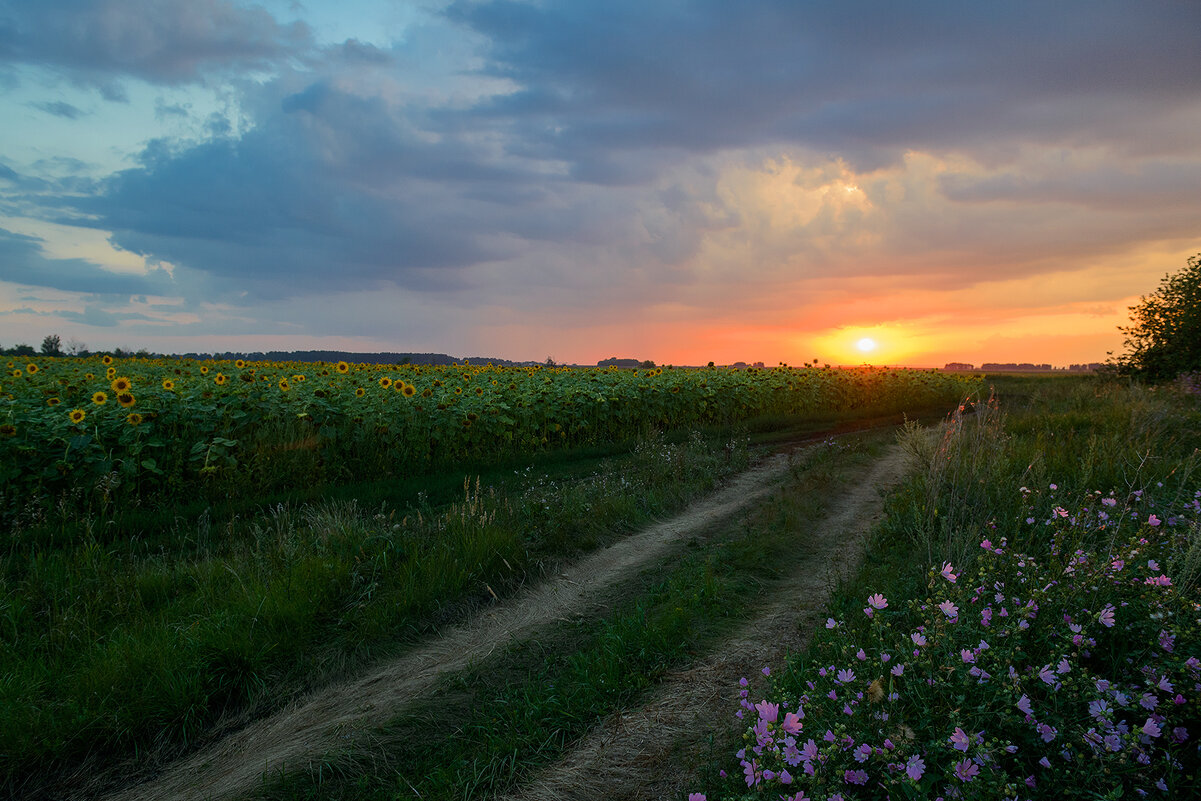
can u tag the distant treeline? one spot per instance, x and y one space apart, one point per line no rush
347 356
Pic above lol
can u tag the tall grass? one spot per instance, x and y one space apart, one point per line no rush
113 650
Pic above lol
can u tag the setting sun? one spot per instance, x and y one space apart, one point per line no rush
866 345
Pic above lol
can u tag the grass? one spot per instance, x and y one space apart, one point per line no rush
119 647
1068 501
492 726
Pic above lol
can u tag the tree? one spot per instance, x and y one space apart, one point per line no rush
52 345
1164 339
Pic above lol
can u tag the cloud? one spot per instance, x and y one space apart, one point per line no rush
60 109
22 262
865 80
515 162
99 42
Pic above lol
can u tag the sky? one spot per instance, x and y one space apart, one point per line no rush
681 180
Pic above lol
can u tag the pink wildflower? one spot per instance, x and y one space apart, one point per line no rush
966 770
949 609
877 601
1106 616
915 767
946 572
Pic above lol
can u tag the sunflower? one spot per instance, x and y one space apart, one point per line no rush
168 384
107 360
126 400
239 364
458 390
410 390
10 430
77 415
31 368
52 401
284 386
121 384
425 393
343 367
110 373
89 376
99 398
204 370
298 378
220 379
360 392
133 418
385 382
17 373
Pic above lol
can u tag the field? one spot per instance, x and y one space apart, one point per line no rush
135 432
190 545
565 613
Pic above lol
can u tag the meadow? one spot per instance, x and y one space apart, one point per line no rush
1028 623
189 545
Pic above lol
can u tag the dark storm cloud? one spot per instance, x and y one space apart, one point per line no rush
328 189
864 80
23 262
98 42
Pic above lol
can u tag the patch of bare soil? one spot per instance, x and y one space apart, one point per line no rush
650 752
337 716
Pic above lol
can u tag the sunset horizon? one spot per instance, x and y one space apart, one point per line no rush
772 182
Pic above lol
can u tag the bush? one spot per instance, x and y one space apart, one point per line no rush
1165 338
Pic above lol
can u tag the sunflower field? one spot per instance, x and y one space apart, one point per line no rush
100 430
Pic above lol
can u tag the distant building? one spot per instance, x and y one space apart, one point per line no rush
959 366
613 361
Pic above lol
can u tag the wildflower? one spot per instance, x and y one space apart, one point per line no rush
1151 728
831 623
792 723
768 712
1159 581
845 676
862 753
1153 521
855 777
949 609
168 384
99 398
133 418
1024 704
1048 733
915 767
966 770
959 739
918 638
1106 616
121 384
877 601
126 400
